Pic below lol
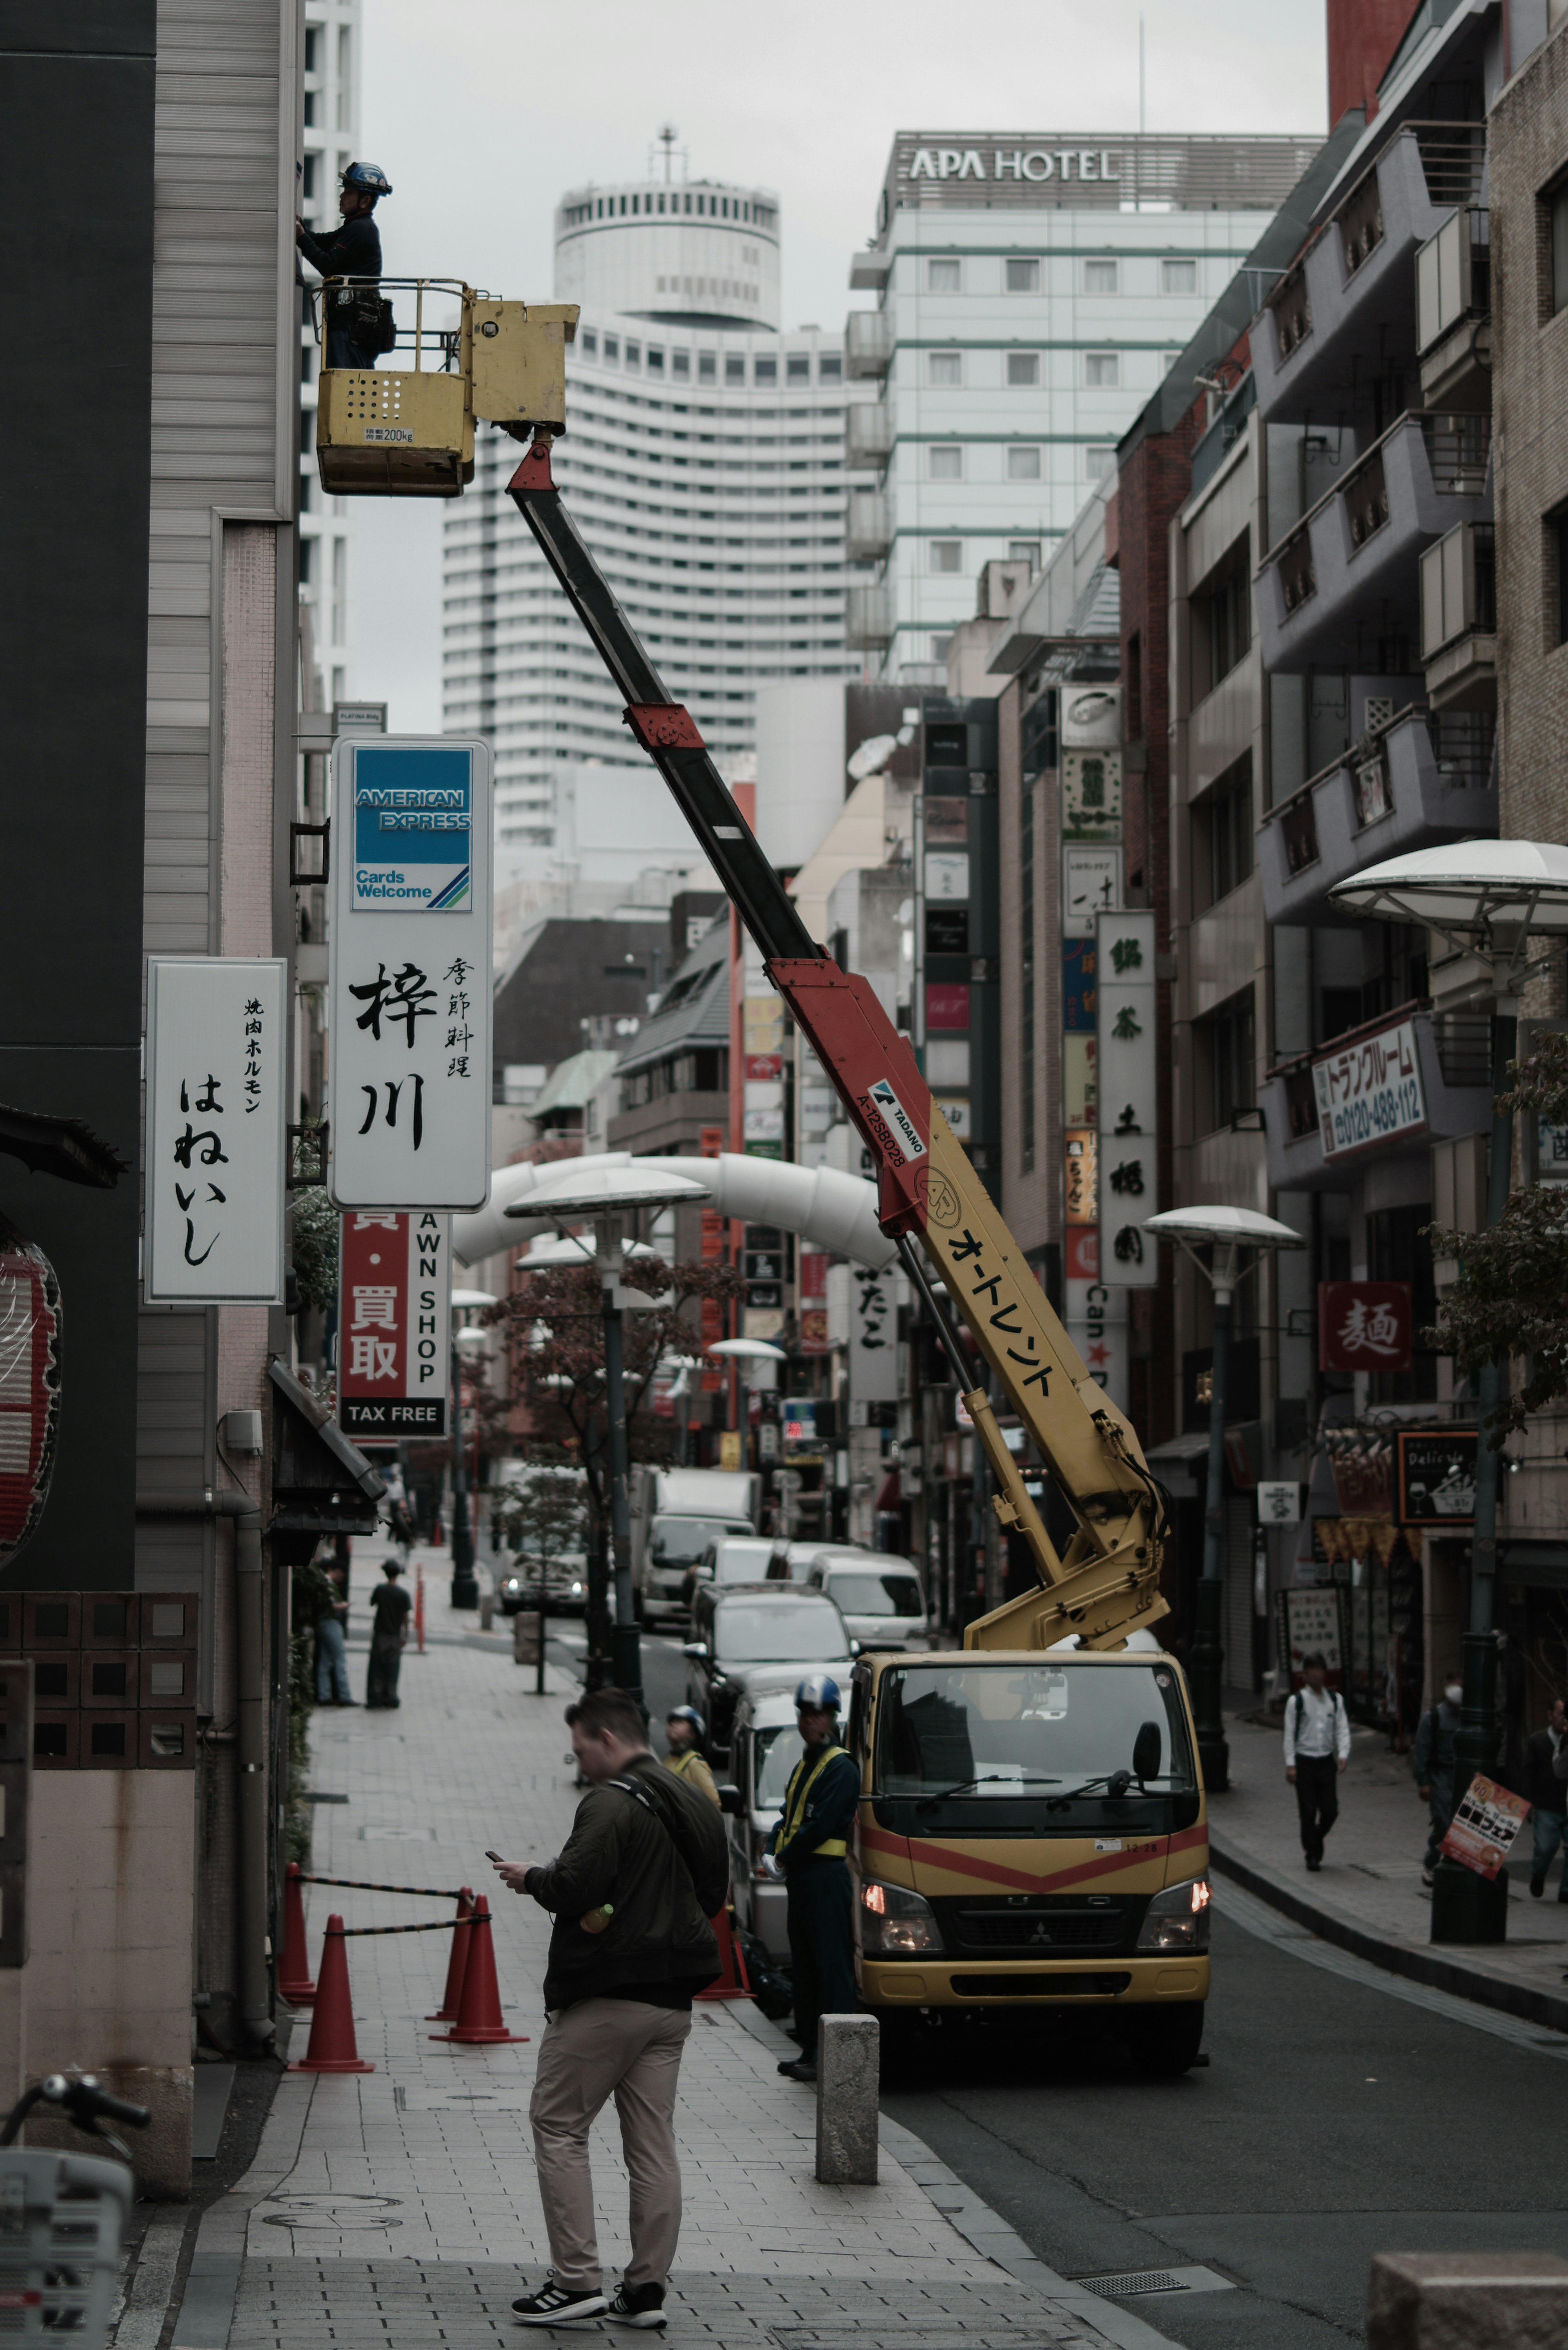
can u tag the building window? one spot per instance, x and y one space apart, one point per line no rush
830 367
1024 464
944 555
1102 370
1557 576
1179 277
1100 276
634 355
680 366
1222 832
1557 217
1022 368
655 360
1099 459
938 654
797 367
612 350
767 371
1023 277
1231 1054
944 463
590 343
706 366
944 277
1024 550
944 366
1221 625
734 368
1026 976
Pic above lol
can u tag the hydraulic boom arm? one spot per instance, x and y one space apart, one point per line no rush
1107 1583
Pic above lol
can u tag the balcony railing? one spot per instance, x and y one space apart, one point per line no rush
1416 1077
870 525
869 342
867 617
1453 276
1463 1043
868 433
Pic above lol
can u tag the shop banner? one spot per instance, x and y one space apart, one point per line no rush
1369 1091
1437 1476
1129 1119
1364 1325
1483 1828
1309 1626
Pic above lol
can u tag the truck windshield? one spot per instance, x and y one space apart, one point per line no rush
1001 1730
679 1541
875 1595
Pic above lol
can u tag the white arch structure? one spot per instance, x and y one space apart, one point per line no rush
832 1210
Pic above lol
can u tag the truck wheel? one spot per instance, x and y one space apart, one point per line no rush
1164 2041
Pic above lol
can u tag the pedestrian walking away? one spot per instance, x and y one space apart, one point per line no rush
391 1609
353 315
1317 1748
1544 1783
1432 1760
684 1730
644 1869
806 1846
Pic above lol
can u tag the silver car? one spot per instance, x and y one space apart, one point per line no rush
765 1749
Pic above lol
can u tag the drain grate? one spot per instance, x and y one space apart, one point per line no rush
1126 2284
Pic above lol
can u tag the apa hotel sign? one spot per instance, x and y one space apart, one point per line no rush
1017 164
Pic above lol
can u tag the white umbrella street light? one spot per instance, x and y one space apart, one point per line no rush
602 1195
1502 904
1224 1233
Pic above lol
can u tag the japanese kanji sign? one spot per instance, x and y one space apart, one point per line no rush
216 1089
1090 885
1128 1108
1091 794
410 974
394 1345
1370 1090
1364 1325
1482 1832
872 1336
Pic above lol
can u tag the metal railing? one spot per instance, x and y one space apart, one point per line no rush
441 342
1459 449
1463 1044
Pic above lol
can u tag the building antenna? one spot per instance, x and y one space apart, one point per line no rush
1142 114
667 137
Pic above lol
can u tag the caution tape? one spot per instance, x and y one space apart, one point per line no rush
363 1885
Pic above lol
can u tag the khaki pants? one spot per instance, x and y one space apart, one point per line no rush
599 2047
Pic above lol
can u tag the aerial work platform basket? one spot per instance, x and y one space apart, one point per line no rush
404 432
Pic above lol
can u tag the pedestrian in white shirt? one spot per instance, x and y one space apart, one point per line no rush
1317 1748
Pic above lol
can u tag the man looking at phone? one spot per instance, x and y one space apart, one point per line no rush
644 1869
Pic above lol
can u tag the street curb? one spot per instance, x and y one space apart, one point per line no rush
1450 1975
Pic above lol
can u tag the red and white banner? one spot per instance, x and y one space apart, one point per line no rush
394 1317
1484 1827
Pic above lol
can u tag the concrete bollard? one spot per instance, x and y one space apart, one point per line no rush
1467 2301
848 2073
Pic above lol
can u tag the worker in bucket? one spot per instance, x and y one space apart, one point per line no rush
807 1848
354 311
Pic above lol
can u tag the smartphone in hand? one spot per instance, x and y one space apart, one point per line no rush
492 1856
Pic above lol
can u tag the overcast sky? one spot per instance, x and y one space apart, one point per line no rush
483 112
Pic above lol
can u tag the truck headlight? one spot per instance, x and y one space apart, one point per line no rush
1177 1919
894 1922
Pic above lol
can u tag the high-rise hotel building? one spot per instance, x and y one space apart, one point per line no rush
704 464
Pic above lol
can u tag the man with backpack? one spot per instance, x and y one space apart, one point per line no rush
354 323
644 1869
1317 1748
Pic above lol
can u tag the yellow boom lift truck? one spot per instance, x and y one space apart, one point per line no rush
1031 1832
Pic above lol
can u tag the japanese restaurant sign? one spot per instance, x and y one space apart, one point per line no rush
1128 1104
1369 1091
1364 1325
216 1090
410 973
394 1344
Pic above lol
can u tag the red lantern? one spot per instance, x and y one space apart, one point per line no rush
29 1384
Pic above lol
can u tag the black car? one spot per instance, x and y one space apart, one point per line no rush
738 1627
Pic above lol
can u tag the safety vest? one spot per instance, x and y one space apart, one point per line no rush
806 1776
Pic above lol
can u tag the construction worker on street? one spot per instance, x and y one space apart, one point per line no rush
807 1848
353 251
684 1730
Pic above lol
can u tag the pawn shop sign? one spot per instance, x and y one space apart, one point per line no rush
410 973
394 1345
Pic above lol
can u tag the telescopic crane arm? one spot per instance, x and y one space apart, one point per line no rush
931 1201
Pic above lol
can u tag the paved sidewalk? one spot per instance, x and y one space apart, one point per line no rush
403 2205
1368 1896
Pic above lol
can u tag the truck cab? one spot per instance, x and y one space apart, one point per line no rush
1031 1835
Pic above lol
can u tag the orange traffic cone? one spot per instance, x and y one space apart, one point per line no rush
478 2019
457 1965
731 1981
294 1981
332 2047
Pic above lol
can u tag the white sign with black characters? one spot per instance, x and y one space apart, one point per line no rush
410 973
1129 1098
217 1085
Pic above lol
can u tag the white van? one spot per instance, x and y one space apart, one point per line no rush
879 1597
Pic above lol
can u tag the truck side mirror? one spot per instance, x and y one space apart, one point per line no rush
694 1647
729 1803
1147 1747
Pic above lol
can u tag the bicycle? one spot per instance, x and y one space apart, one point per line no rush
62 2216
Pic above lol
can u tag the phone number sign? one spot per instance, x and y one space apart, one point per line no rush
1369 1091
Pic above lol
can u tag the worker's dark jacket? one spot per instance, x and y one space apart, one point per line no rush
819 1808
353 249
666 1877
1543 1787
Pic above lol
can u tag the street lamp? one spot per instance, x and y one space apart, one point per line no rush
1488 899
601 1195
1225 1233
464 1584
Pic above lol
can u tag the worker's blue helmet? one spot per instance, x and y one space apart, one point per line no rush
688 1713
820 1692
369 176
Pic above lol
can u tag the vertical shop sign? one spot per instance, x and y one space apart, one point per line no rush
394 1317
1128 1117
216 1088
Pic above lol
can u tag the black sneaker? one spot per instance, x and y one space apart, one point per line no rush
1314 1863
638 2304
1538 1887
558 2304
799 2068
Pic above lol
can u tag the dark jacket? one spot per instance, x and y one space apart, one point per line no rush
1543 1787
1433 1756
666 1877
829 1811
353 249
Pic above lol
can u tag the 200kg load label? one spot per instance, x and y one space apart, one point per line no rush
389 432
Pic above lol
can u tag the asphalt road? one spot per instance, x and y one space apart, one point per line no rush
1335 2119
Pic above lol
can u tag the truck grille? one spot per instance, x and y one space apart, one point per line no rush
1040 1924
